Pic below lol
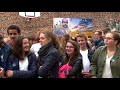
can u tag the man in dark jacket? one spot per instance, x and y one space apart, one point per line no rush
5 51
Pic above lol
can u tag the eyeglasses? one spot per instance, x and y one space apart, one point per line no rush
69 47
108 38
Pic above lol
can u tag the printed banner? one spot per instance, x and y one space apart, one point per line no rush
72 26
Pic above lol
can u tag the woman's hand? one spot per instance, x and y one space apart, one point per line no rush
87 75
9 73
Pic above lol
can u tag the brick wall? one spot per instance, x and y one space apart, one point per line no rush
46 20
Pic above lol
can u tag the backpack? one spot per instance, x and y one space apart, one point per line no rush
64 71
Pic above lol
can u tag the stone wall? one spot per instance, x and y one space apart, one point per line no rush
46 20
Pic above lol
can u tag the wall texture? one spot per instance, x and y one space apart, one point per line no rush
46 20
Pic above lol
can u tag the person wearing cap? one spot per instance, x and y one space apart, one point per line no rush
5 51
64 28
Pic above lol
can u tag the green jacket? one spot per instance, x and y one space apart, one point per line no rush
98 62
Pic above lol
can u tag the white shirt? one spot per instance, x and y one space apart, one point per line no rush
86 61
35 48
23 64
107 70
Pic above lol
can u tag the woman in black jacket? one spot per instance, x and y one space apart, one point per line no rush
74 59
49 56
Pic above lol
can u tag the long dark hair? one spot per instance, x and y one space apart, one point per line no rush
76 53
18 49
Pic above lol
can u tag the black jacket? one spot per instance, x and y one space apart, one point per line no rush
49 60
76 69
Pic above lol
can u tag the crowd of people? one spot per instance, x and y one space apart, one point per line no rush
44 54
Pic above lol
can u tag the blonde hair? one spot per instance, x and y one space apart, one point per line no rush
50 35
